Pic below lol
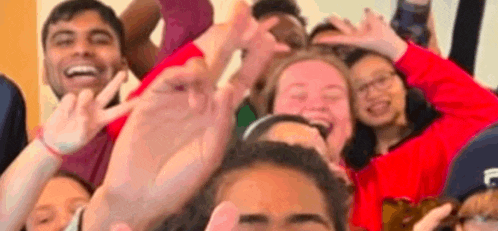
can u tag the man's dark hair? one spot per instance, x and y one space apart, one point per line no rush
68 9
264 7
307 161
419 112
321 27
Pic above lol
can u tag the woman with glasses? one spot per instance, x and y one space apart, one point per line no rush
405 155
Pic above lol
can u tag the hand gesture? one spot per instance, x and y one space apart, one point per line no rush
224 218
172 142
372 33
79 118
432 220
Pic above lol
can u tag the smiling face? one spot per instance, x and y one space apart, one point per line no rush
83 52
58 202
319 92
379 93
275 198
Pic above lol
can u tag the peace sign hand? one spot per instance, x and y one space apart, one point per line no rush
79 118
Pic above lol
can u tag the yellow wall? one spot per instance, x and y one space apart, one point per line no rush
18 53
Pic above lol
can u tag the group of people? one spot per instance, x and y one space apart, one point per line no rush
360 127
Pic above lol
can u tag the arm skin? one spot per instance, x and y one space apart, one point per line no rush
140 19
22 183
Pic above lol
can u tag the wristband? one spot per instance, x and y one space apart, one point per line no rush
52 151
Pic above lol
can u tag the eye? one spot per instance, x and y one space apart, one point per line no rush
44 219
101 39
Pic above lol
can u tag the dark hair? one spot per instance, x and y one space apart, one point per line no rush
68 9
419 112
264 7
259 127
307 161
85 184
321 27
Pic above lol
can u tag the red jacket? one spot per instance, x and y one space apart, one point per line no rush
417 168
178 58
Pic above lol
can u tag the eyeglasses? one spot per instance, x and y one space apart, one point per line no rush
382 82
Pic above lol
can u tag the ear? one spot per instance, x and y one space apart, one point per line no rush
45 73
124 67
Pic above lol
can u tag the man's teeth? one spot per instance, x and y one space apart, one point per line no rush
82 70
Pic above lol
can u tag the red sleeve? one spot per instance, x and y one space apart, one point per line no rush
466 107
179 57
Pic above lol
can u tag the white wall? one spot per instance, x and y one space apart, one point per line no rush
444 10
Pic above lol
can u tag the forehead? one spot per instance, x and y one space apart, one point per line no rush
370 65
82 22
59 189
272 190
312 72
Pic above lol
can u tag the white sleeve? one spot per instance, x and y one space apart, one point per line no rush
74 225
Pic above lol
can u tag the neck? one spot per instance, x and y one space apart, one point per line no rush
390 135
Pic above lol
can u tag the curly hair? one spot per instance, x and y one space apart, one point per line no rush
307 161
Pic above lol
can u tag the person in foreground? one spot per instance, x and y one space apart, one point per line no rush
275 186
379 102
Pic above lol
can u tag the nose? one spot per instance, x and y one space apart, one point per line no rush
372 92
83 48
316 103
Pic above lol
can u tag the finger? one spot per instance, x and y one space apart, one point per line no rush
116 112
66 107
340 24
224 218
281 47
108 93
218 133
269 23
343 39
84 99
433 218
251 30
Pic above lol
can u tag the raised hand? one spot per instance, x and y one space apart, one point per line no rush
432 220
172 142
371 33
224 218
79 118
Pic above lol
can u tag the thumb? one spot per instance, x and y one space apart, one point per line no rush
343 40
430 221
224 218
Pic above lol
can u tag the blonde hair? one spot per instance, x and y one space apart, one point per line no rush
281 64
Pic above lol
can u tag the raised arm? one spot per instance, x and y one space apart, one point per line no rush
176 135
140 19
76 120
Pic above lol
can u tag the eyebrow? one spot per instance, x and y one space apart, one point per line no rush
303 218
43 207
253 218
